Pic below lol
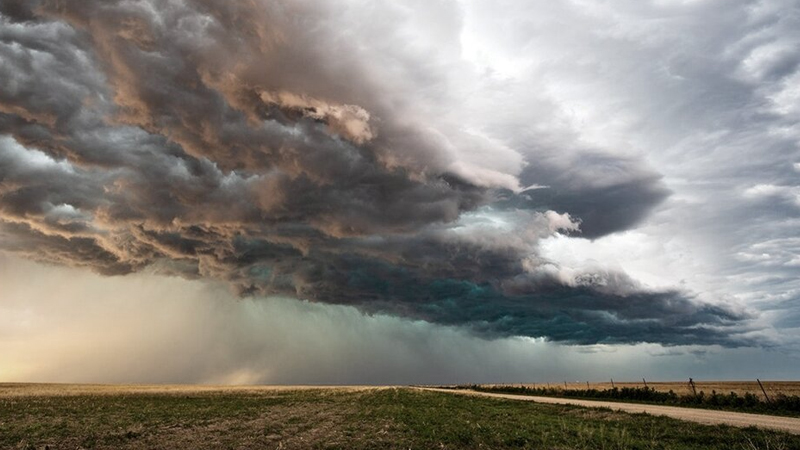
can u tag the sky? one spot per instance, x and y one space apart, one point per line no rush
350 192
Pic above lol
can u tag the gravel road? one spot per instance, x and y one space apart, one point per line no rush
706 416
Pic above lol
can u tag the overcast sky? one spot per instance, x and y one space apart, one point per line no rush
350 191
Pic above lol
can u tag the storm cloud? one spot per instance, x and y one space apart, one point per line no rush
259 144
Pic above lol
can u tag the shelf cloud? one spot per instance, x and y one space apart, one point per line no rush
294 148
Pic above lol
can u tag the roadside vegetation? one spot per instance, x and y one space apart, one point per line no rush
379 418
780 404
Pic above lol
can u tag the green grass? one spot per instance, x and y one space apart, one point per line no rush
376 419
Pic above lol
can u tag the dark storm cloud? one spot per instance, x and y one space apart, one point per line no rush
578 315
17 10
251 143
608 194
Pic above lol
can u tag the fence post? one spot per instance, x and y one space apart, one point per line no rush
587 385
764 391
612 384
565 384
691 383
645 382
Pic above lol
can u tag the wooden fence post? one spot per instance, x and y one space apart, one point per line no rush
612 384
645 382
764 391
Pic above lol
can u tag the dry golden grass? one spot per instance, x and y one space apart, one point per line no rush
61 389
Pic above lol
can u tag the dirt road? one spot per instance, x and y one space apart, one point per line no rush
706 416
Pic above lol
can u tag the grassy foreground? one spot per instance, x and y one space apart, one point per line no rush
351 419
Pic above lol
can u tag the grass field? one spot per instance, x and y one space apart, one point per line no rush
137 417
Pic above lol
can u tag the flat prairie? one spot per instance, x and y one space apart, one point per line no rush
59 389
57 416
